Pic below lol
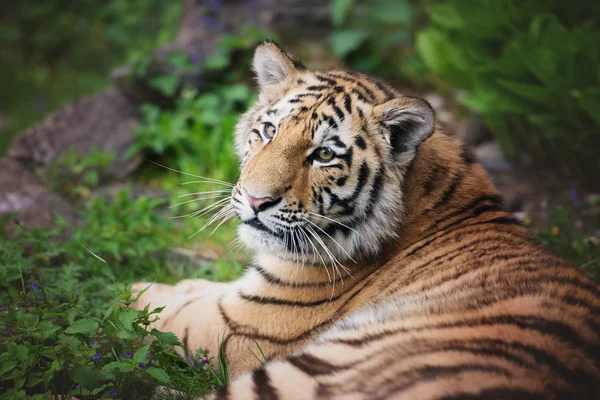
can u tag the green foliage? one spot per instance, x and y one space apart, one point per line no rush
74 176
375 36
565 234
198 133
69 328
55 51
530 68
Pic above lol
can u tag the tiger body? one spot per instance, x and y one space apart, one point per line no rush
442 293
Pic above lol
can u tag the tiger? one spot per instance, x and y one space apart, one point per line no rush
385 266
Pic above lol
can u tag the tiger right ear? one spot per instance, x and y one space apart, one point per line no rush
273 65
405 123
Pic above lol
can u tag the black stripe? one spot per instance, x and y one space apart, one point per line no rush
290 303
501 393
444 230
272 279
375 193
456 180
347 103
534 323
262 385
312 365
317 88
324 78
360 142
438 372
361 96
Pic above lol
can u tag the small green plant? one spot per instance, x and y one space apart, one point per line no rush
564 233
68 327
530 68
74 176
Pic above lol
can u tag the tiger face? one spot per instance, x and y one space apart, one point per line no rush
323 157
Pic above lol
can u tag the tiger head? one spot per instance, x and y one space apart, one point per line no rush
323 157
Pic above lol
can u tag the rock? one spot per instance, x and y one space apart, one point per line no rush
178 259
473 132
491 156
205 23
106 120
436 101
23 194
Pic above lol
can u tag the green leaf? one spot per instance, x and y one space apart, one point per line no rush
84 375
127 317
397 12
589 100
167 338
535 93
345 42
121 366
158 374
166 84
339 11
85 326
7 366
217 62
140 355
446 15
127 335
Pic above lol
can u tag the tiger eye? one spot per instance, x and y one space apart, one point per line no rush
325 154
269 130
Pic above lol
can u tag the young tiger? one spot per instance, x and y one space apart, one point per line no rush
385 265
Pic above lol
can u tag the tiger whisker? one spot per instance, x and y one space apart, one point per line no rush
208 180
225 219
331 257
204 193
188 174
214 218
329 236
337 222
317 253
203 211
198 199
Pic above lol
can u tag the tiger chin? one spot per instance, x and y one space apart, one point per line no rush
385 265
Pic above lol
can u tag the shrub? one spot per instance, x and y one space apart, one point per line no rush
530 68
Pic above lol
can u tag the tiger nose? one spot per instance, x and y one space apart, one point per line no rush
259 204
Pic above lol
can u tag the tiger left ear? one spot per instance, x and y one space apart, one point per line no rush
273 65
405 123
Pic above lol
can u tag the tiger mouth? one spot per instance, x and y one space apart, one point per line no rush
259 225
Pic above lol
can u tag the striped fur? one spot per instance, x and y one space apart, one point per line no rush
448 296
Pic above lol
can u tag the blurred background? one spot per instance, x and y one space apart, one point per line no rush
102 103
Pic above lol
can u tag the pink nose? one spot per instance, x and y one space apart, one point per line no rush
255 203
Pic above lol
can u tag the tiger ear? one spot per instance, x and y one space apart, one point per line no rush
405 123
273 65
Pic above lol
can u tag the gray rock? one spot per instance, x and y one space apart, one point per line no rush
23 194
473 132
491 156
105 120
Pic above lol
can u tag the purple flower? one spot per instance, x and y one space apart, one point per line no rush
114 394
214 4
149 355
126 355
39 296
575 197
78 386
141 365
97 356
35 286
